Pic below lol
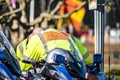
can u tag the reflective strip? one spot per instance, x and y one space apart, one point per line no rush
76 50
51 35
27 58
85 56
43 41
21 47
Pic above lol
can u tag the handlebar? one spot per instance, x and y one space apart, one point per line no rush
30 62
35 63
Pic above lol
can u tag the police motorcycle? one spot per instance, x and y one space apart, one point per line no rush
52 68
72 63
9 66
75 65
61 64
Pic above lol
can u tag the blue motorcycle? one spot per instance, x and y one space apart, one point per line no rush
10 69
9 66
75 65
45 70
59 64
72 63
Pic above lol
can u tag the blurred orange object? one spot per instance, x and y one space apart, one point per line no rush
77 17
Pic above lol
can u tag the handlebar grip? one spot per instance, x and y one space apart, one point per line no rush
25 61
33 62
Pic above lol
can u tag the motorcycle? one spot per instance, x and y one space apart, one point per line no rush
9 66
56 66
75 65
45 70
72 63
59 64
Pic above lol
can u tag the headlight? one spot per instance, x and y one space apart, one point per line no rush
59 58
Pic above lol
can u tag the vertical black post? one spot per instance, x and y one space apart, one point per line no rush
99 30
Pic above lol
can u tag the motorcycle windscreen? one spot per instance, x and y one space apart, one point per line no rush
76 64
9 53
73 60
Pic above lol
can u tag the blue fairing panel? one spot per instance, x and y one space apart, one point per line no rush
4 72
64 71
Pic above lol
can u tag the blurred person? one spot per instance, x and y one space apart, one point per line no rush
107 34
118 29
76 18
22 46
115 33
36 46
16 31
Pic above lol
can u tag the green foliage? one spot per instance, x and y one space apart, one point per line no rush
115 74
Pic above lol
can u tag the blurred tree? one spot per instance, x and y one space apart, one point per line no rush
46 13
113 12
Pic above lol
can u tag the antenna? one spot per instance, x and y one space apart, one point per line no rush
109 56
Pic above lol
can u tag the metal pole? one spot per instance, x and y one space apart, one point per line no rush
31 11
99 30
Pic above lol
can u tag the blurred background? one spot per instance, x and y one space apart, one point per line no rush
19 17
